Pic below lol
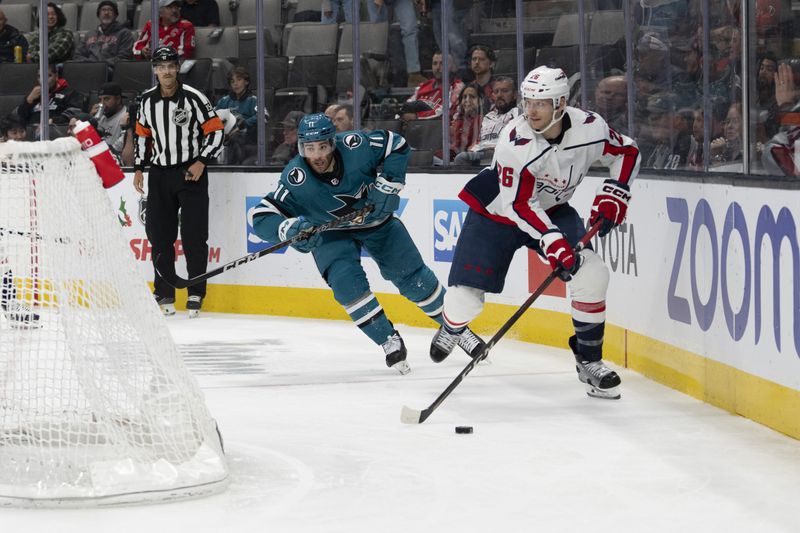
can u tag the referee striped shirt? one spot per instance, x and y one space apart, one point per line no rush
180 129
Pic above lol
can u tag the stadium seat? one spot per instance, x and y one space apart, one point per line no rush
9 102
70 11
374 43
199 75
133 75
89 21
247 43
246 15
18 78
568 30
311 71
276 71
391 124
310 38
225 47
420 158
85 77
564 57
607 27
424 134
20 16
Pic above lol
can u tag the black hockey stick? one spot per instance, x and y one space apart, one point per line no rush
413 416
181 283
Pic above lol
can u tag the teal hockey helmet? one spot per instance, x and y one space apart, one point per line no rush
313 128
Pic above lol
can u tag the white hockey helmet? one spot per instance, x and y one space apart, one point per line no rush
545 82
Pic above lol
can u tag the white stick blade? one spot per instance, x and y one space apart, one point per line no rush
409 415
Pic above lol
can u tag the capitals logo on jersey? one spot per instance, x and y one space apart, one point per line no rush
515 138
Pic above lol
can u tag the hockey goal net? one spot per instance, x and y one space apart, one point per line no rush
96 406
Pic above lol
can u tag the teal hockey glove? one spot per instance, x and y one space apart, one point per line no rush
292 227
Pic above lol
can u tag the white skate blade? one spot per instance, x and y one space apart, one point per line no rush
194 313
168 309
606 394
402 367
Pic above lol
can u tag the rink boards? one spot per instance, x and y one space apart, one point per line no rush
703 296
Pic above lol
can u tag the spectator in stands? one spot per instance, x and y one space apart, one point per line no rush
405 13
765 96
330 11
719 108
241 102
61 44
111 41
482 60
287 149
331 110
726 151
343 119
459 12
611 102
664 140
503 111
426 102
201 12
9 38
779 153
465 124
12 128
172 31
111 115
62 100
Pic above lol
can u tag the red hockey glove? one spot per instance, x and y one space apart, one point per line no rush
559 252
610 205
97 150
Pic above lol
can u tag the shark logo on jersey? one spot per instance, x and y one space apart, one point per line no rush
296 176
180 116
348 201
352 141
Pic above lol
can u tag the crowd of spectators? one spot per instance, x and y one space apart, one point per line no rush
665 113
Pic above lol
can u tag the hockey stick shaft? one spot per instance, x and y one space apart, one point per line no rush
413 416
181 283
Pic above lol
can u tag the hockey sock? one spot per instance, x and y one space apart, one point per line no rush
432 305
590 339
368 315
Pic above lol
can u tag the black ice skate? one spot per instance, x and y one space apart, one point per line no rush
445 340
601 381
167 305
193 305
19 315
395 350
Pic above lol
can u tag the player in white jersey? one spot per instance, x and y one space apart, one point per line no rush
522 200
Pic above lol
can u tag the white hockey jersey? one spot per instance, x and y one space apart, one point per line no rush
530 177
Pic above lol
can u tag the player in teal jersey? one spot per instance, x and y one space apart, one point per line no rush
332 176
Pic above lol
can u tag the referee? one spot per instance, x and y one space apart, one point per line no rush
178 133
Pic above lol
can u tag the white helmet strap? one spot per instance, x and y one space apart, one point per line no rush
554 120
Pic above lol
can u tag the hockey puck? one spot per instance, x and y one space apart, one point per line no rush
463 429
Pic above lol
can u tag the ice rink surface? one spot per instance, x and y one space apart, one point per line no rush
311 421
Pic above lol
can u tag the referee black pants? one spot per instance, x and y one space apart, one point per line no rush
167 191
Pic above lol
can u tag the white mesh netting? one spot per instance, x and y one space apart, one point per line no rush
96 405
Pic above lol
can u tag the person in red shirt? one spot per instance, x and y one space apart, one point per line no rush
172 31
426 102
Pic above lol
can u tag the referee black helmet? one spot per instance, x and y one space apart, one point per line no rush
165 53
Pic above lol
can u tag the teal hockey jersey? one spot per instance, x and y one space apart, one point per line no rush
322 197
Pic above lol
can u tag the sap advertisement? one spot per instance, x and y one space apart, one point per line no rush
707 268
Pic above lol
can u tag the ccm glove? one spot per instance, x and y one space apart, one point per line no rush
560 254
383 195
610 205
293 227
